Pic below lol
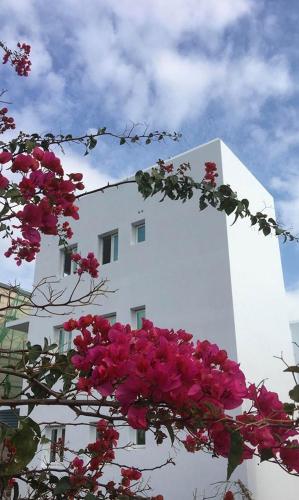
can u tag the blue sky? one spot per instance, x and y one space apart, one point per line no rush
207 68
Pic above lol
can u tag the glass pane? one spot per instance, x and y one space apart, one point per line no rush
67 267
115 246
139 315
140 233
53 445
106 249
61 341
69 342
140 437
62 441
111 318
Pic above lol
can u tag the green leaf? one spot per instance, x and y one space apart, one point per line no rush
245 203
34 352
26 441
63 485
122 141
289 408
266 454
235 452
226 190
30 145
294 393
92 142
266 230
202 203
90 496
170 432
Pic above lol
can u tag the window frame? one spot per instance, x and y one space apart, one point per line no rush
135 231
136 319
114 246
73 265
61 346
133 439
54 455
109 317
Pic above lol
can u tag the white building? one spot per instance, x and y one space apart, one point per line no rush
184 269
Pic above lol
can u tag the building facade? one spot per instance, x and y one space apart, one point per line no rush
181 268
10 298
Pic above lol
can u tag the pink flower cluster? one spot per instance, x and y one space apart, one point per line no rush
19 58
6 122
148 370
85 475
210 173
88 265
154 365
46 195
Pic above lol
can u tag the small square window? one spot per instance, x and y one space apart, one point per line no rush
109 245
64 340
56 435
110 317
137 437
69 266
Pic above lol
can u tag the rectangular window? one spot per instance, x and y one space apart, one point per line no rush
140 233
64 341
137 437
110 317
69 266
140 437
138 315
57 442
109 248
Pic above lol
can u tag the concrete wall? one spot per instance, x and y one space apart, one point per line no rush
196 272
295 338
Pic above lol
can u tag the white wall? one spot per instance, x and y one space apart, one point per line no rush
294 325
195 272
259 303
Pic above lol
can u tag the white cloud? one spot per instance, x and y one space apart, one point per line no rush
288 203
155 62
293 304
93 177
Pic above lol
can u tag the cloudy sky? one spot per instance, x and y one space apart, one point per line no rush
207 68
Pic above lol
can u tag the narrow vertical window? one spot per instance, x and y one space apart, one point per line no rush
140 314
57 442
109 248
69 266
114 245
140 437
140 233
64 341
106 250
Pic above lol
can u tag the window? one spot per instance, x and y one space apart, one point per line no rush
110 317
137 437
138 232
64 340
69 266
140 437
57 441
138 315
109 248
